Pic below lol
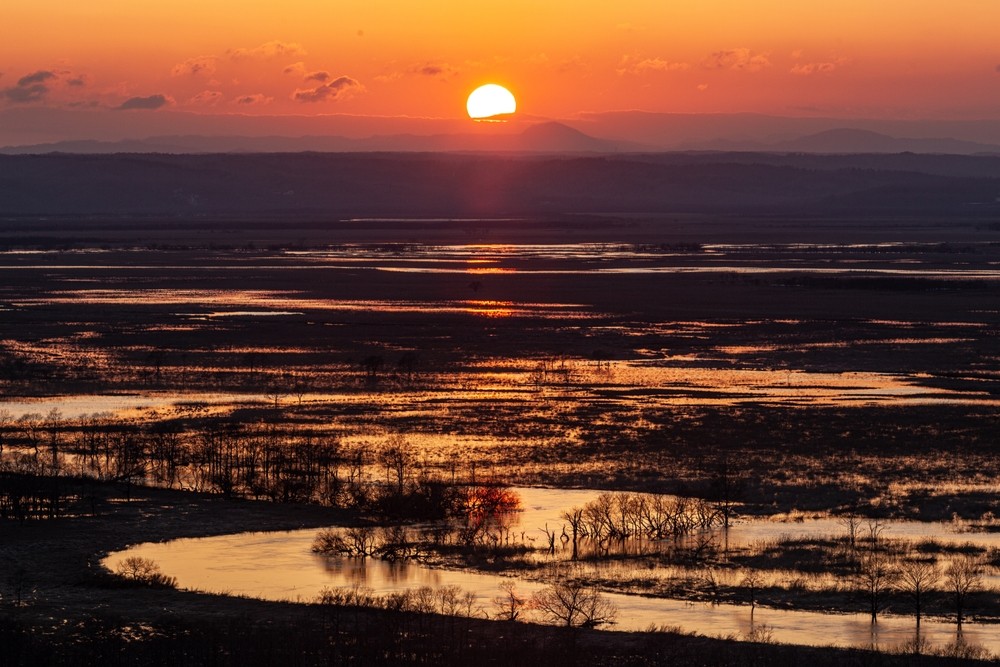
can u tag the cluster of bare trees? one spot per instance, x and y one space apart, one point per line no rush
883 570
279 461
572 604
567 602
614 518
446 600
386 542
473 516
26 497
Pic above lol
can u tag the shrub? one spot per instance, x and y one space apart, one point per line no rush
144 571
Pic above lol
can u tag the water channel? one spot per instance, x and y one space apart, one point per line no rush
281 566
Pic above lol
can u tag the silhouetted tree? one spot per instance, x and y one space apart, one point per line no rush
509 603
574 517
752 582
916 579
727 489
372 365
572 604
876 576
398 457
964 575
144 571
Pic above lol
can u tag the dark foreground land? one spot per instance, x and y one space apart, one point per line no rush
490 185
60 608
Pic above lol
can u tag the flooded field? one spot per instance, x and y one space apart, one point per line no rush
590 363
787 381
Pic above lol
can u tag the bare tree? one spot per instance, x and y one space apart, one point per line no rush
752 581
876 575
144 571
5 423
363 540
276 390
574 517
509 604
874 528
53 427
852 523
372 365
963 576
916 579
572 604
727 488
397 456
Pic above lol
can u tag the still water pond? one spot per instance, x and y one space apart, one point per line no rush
281 566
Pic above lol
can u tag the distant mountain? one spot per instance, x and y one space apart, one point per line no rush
761 132
560 138
849 140
543 137
173 131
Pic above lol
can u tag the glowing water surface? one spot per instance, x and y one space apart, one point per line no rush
280 566
84 405
658 383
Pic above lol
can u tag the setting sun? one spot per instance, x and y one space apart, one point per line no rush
489 101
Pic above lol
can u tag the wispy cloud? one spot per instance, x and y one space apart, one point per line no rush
40 84
271 49
635 64
435 70
255 99
805 69
149 103
335 90
30 87
206 98
22 94
299 69
740 60
202 65
40 76
322 76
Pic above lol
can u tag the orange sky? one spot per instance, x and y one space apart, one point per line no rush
890 58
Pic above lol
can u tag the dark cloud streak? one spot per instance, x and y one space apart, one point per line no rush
150 103
332 91
29 93
41 76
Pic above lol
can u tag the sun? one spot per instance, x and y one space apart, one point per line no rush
490 100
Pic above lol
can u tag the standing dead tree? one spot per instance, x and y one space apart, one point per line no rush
572 604
963 577
509 604
916 579
876 575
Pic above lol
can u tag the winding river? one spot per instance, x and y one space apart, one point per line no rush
280 566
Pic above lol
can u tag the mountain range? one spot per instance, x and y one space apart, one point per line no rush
618 132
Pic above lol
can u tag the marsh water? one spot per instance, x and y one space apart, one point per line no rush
530 358
281 566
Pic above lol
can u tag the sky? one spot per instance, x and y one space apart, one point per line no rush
839 58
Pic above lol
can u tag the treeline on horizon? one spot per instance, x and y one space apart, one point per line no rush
374 184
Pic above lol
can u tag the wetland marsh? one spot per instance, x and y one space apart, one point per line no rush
825 379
